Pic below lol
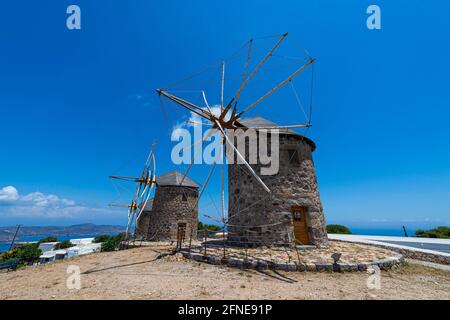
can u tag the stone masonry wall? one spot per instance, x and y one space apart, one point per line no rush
142 225
260 218
168 210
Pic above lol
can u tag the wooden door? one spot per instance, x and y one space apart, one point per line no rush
181 232
301 232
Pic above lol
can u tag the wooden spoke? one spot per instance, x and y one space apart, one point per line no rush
119 205
186 104
243 159
298 126
258 67
268 94
206 184
130 179
244 74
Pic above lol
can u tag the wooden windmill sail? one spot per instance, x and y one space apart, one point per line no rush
145 184
230 117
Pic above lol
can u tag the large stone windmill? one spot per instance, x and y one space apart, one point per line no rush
292 212
282 208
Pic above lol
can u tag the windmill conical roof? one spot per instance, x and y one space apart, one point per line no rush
263 122
174 178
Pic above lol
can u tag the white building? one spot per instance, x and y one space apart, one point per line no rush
47 257
81 246
47 246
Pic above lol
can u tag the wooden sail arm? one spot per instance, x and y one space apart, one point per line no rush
258 67
186 104
130 179
206 102
268 94
244 73
297 126
196 123
226 109
242 158
205 184
133 179
133 206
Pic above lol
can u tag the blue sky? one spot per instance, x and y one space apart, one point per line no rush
77 106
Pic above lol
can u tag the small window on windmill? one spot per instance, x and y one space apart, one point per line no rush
294 157
184 197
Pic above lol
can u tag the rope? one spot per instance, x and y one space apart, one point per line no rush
311 94
298 99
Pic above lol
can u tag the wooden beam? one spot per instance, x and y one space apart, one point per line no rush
268 94
258 67
186 104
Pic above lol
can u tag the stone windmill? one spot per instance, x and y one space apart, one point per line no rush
283 208
292 212
174 207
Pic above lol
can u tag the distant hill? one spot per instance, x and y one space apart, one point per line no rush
7 233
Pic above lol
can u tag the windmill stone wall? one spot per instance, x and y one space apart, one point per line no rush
173 204
259 218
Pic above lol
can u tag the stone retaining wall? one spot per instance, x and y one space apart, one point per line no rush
384 264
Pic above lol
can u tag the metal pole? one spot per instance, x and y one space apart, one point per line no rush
296 249
190 239
223 239
405 232
246 255
14 239
205 235
223 87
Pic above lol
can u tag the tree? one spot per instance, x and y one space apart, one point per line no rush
110 244
338 229
120 236
29 253
9 255
64 245
102 238
439 232
209 227
48 239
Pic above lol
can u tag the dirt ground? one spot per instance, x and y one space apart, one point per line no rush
138 274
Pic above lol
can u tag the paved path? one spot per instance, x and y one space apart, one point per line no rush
440 246
429 264
423 245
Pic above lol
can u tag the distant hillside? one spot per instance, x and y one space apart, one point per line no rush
7 233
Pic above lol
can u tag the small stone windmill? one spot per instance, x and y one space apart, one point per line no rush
174 207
